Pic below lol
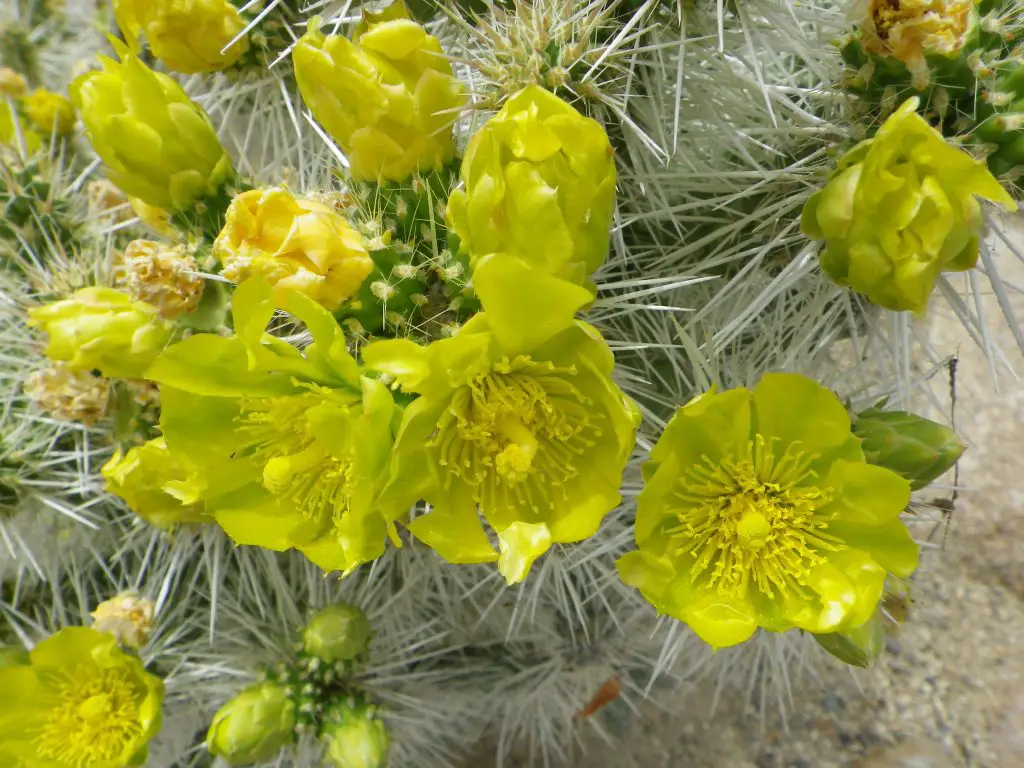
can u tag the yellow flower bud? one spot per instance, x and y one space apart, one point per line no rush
539 184
899 210
158 145
356 737
103 329
253 726
69 395
156 485
50 112
388 97
127 617
162 275
338 632
12 83
187 36
911 29
295 244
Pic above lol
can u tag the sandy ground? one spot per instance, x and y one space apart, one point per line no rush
949 691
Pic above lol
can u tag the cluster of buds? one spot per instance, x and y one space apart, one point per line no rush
311 693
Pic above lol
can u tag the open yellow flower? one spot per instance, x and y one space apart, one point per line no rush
759 510
910 30
388 96
899 210
294 244
188 36
517 417
289 447
80 702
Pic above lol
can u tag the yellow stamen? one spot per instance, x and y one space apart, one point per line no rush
95 718
753 520
516 433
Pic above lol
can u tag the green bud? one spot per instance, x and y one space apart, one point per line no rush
13 656
356 738
915 448
253 726
337 633
859 646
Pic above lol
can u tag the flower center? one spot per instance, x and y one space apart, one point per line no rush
754 520
516 434
96 717
936 24
297 467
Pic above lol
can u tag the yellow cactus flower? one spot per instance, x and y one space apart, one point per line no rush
102 329
162 275
128 617
12 83
290 447
79 702
50 112
517 417
158 145
157 485
187 36
759 510
909 30
539 184
294 244
388 97
900 209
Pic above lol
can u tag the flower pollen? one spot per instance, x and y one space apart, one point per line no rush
753 520
515 433
96 717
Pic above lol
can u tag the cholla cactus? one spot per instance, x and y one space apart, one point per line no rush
413 299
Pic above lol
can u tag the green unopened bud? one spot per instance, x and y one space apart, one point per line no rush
253 726
915 448
337 633
356 737
13 656
859 646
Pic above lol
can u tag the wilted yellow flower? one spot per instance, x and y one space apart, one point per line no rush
80 702
126 616
162 275
539 184
909 30
102 329
295 244
158 145
50 112
900 209
388 96
70 395
12 83
759 510
156 485
106 200
187 36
